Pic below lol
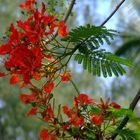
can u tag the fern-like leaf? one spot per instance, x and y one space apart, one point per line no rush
101 62
97 61
90 36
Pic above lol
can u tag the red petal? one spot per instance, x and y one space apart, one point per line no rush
2 74
97 119
32 111
27 98
23 85
14 79
78 121
36 76
44 135
4 49
48 87
65 77
65 109
62 30
22 6
43 8
115 105
27 4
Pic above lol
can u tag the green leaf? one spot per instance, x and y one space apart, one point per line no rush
115 58
82 33
104 69
121 112
74 131
98 63
127 134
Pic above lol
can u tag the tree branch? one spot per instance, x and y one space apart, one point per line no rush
107 19
65 18
69 10
111 15
125 120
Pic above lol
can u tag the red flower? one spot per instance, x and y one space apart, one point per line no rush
115 105
27 5
27 98
14 79
32 111
23 85
43 8
66 110
97 119
45 135
24 61
48 113
37 26
78 121
15 36
65 77
104 105
83 99
36 75
73 116
48 87
5 48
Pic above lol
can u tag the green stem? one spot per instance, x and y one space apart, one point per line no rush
74 85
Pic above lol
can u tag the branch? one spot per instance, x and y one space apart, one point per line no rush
69 10
111 15
125 120
65 18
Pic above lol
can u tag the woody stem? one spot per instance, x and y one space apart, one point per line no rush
125 120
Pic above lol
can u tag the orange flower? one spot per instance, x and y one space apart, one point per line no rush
65 77
62 29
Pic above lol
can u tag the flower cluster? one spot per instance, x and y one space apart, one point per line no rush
86 114
26 46
32 54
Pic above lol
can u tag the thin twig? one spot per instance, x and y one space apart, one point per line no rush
111 15
107 19
125 120
69 10
75 87
65 17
